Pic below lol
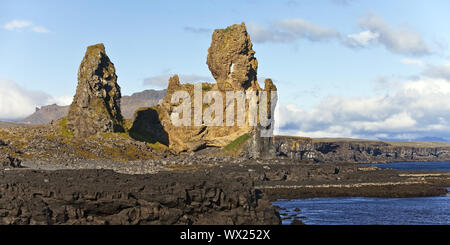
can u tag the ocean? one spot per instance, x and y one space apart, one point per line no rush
372 211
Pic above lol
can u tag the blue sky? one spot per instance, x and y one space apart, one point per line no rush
327 57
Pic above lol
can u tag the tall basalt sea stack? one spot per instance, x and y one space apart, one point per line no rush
96 105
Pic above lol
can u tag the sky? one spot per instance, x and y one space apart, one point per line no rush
343 68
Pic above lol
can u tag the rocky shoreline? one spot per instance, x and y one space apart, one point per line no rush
100 197
197 190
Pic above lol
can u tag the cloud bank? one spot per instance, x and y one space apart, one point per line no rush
375 31
17 102
416 109
397 40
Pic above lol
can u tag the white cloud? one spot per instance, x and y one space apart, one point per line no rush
288 30
261 34
401 40
416 62
361 39
302 28
17 102
162 81
438 71
17 25
40 29
197 30
416 109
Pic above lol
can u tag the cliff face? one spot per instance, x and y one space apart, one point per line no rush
105 197
356 150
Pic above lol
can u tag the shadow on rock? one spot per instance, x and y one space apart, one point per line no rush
147 127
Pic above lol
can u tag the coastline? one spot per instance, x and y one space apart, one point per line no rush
240 190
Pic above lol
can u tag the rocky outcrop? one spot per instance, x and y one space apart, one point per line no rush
362 151
232 63
231 59
8 156
8 161
105 197
96 105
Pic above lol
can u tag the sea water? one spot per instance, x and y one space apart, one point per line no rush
372 211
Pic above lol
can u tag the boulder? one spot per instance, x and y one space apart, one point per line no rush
96 104
9 161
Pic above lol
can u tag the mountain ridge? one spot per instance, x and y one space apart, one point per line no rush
129 103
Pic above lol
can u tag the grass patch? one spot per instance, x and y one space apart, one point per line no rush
64 131
158 146
206 87
237 143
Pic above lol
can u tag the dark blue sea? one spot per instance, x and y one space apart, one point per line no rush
373 211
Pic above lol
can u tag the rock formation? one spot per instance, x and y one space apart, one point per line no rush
232 62
231 59
8 161
8 156
96 105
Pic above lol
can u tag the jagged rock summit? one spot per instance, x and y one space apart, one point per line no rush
232 63
231 59
96 105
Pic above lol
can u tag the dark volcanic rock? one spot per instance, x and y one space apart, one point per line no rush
105 197
362 151
96 105
9 161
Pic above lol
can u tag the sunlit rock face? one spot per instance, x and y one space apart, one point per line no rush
232 63
231 59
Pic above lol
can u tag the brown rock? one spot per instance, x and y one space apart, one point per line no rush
96 105
297 222
231 59
232 63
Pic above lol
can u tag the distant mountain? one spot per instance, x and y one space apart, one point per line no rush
146 98
8 124
129 104
46 114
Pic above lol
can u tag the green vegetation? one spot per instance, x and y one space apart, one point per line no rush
206 87
158 146
237 143
64 131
